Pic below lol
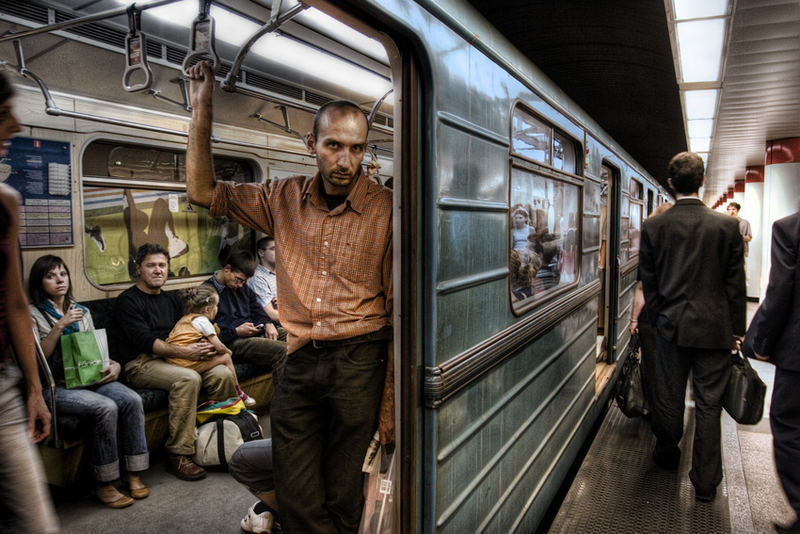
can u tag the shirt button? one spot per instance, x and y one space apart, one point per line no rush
319 323
324 273
325 243
319 299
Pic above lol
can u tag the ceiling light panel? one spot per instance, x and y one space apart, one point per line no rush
694 9
700 48
700 104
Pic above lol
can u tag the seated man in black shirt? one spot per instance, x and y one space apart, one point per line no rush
143 318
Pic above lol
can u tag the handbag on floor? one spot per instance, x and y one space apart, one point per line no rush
629 388
744 395
224 426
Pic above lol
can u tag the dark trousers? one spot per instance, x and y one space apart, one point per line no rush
710 373
324 413
784 418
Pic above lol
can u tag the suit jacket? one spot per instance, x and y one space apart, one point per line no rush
691 263
775 329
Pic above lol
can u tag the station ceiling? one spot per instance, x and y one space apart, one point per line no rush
614 58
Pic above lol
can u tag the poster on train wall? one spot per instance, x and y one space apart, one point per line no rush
120 220
40 171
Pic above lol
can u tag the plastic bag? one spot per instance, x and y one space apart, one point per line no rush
378 514
84 355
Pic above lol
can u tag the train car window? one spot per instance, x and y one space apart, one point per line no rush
565 156
637 189
635 229
649 201
544 244
530 137
141 163
153 208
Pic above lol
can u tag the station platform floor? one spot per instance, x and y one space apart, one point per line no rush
619 489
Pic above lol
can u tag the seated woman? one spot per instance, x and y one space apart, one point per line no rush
111 405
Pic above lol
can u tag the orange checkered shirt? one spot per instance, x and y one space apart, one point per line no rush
334 267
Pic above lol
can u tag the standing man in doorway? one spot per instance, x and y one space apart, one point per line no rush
333 234
691 267
774 335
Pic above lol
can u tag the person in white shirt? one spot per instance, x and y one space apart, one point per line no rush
264 282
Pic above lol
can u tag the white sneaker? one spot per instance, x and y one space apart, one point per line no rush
248 400
263 522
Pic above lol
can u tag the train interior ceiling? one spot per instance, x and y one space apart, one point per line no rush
306 59
84 80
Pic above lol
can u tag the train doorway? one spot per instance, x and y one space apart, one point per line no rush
608 267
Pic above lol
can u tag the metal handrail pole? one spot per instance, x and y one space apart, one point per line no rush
375 106
51 383
109 13
275 22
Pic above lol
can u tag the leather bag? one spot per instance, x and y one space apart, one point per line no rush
629 387
744 395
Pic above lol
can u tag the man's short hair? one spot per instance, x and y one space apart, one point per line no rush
264 242
330 107
686 171
241 261
735 205
147 249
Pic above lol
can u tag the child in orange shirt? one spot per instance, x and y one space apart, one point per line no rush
201 308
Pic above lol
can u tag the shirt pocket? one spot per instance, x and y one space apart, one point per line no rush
360 264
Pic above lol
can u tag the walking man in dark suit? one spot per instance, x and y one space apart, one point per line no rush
775 336
691 267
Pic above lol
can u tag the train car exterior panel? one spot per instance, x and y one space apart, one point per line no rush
517 416
471 167
469 316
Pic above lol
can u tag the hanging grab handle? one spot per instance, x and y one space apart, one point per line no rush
202 45
136 53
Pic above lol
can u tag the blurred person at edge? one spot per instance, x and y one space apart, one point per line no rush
774 336
25 504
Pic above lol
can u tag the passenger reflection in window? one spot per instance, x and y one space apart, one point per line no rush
549 274
520 227
521 277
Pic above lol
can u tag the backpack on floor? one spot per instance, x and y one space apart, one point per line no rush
226 425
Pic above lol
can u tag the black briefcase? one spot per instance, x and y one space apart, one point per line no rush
744 396
629 389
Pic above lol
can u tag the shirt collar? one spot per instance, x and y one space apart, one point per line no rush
261 267
357 198
219 286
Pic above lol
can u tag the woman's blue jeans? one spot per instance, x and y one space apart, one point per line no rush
110 407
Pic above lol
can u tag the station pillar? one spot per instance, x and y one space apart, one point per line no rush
781 192
752 200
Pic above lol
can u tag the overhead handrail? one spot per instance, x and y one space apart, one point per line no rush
286 127
375 106
136 53
202 42
155 93
110 13
52 109
276 20
51 385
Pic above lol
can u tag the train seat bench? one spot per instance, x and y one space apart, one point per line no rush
66 462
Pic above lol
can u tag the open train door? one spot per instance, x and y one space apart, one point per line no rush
608 266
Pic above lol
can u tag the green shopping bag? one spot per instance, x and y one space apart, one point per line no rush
83 358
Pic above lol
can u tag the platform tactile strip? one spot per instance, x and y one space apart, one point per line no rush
619 489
